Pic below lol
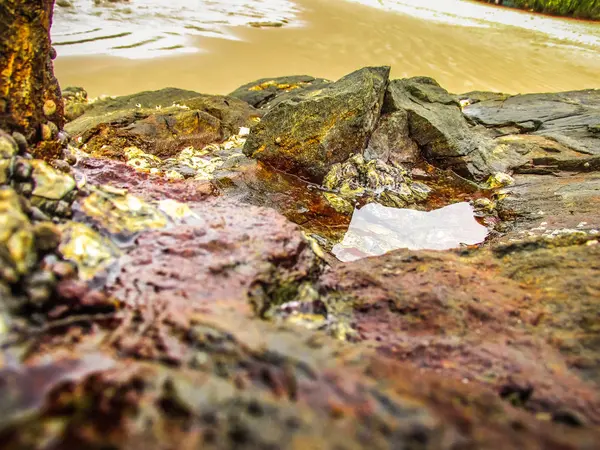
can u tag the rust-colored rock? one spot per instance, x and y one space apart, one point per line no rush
29 93
495 317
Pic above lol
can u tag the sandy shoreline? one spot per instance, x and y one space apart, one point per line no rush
340 37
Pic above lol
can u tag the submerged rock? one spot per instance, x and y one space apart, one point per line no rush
376 229
307 134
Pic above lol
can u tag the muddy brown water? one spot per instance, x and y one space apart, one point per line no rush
330 38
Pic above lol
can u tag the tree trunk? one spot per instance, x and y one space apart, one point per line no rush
30 99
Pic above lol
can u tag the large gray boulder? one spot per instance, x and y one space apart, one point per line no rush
308 133
437 125
569 118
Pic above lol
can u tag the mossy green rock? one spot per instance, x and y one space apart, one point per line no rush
307 134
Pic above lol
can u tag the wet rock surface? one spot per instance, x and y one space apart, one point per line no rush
166 283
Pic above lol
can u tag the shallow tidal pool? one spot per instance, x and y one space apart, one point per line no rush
376 229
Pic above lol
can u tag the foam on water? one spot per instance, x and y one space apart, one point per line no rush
376 229
148 28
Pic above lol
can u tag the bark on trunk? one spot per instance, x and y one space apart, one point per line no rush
30 100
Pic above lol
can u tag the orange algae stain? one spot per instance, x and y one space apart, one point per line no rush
261 149
287 87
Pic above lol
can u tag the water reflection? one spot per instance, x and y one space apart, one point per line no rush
376 229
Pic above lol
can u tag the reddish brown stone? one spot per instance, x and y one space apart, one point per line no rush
27 82
495 318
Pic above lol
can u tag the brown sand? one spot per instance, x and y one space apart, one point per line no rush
340 37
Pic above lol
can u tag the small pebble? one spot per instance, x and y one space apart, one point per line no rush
61 165
21 142
46 132
49 108
63 209
22 169
63 269
69 156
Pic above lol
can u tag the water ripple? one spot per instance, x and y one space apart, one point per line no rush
147 28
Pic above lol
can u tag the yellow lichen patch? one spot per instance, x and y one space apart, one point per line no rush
174 209
49 183
122 213
90 252
310 321
140 160
314 246
499 180
173 175
338 203
260 150
287 87
16 233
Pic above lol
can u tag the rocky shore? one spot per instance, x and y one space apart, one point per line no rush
167 280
